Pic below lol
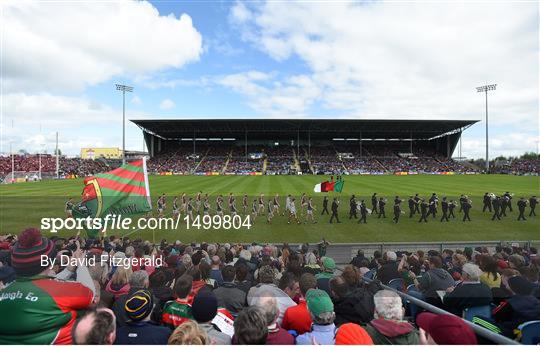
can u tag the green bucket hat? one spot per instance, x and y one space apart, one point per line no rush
329 264
318 301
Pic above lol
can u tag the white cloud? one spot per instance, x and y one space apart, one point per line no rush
136 100
167 104
30 122
418 60
70 45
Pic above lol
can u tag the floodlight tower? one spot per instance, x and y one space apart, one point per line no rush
123 89
486 88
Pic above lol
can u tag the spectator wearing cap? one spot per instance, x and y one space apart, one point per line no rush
204 309
139 329
389 270
444 330
276 334
228 294
352 334
178 311
42 310
250 327
137 281
323 278
267 286
469 293
297 317
215 272
388 326
521 307
321 309
96 327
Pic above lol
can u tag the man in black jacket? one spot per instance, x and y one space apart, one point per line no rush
374 204
522 204
335 205
412 206
444 207
325 205
487 203
466 209
470 292
496 208
363 212
382 203
352 208
397 209
423 211
532 204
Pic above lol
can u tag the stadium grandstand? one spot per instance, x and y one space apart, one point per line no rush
301 146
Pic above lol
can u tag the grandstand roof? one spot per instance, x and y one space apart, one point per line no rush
317 128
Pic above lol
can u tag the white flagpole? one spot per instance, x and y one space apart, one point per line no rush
57 158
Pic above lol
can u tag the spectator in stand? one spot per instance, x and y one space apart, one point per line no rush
389 270
119 283
241 279
276 334
228 294
435 279
204 309
96 327
388 326
178 311
444 330
289 284
215 274
323 278
266 286
469 293
139 329
359 260
250 327
490 275
160 287
43 309
321 309
137 281
188 333
297 317
520 307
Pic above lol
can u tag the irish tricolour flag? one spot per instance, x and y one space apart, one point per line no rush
327 186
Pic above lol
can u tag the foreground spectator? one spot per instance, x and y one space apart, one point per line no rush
139 329
352 334
96 327
444 330
137 281
297 317
188 333
48 316
321 309
250 327
324 277
276 334
204 309
178 311
388 326
389 270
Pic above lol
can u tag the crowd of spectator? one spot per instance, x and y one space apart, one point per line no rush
517 166
253 294
67 166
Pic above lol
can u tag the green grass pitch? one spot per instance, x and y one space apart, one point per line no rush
24 204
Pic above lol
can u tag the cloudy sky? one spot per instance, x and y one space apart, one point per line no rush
223 59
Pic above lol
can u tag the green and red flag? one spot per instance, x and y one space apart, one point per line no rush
122 191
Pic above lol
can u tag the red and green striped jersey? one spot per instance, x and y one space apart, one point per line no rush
41 310
176 312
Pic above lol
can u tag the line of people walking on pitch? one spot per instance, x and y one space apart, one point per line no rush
499 205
